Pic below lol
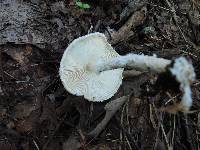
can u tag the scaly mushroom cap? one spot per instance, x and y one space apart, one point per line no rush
76 76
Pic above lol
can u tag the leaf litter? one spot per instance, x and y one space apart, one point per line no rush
37 113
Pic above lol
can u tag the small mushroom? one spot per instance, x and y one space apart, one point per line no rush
92 68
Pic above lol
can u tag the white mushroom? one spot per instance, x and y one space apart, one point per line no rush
92 68
76 76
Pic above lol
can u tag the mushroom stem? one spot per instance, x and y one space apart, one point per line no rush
133 61
180 68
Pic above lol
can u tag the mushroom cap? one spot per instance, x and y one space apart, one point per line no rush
81 81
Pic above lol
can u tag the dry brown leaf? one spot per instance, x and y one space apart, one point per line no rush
100 147
3 113
6 145
24 126
173 109
71 144
134 106
29 123
20 53
25 108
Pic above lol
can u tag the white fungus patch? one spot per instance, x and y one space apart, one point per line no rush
184 73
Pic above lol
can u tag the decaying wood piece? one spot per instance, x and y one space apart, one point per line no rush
125 31
132 6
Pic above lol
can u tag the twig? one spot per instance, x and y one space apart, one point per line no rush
197 139
121 121
152 117
111 108
157 136
188 135
174 128
165 136
36 145
9 75
96 28
188 53
175 19
127 116
129 145
171 98
154 5
130 137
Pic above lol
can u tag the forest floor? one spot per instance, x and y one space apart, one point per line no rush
37 113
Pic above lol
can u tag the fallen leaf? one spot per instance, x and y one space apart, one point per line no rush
100 147
20 53
72 144
29 123
25 108
6 145
24 126
173 109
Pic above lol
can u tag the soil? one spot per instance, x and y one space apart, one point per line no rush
37 113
